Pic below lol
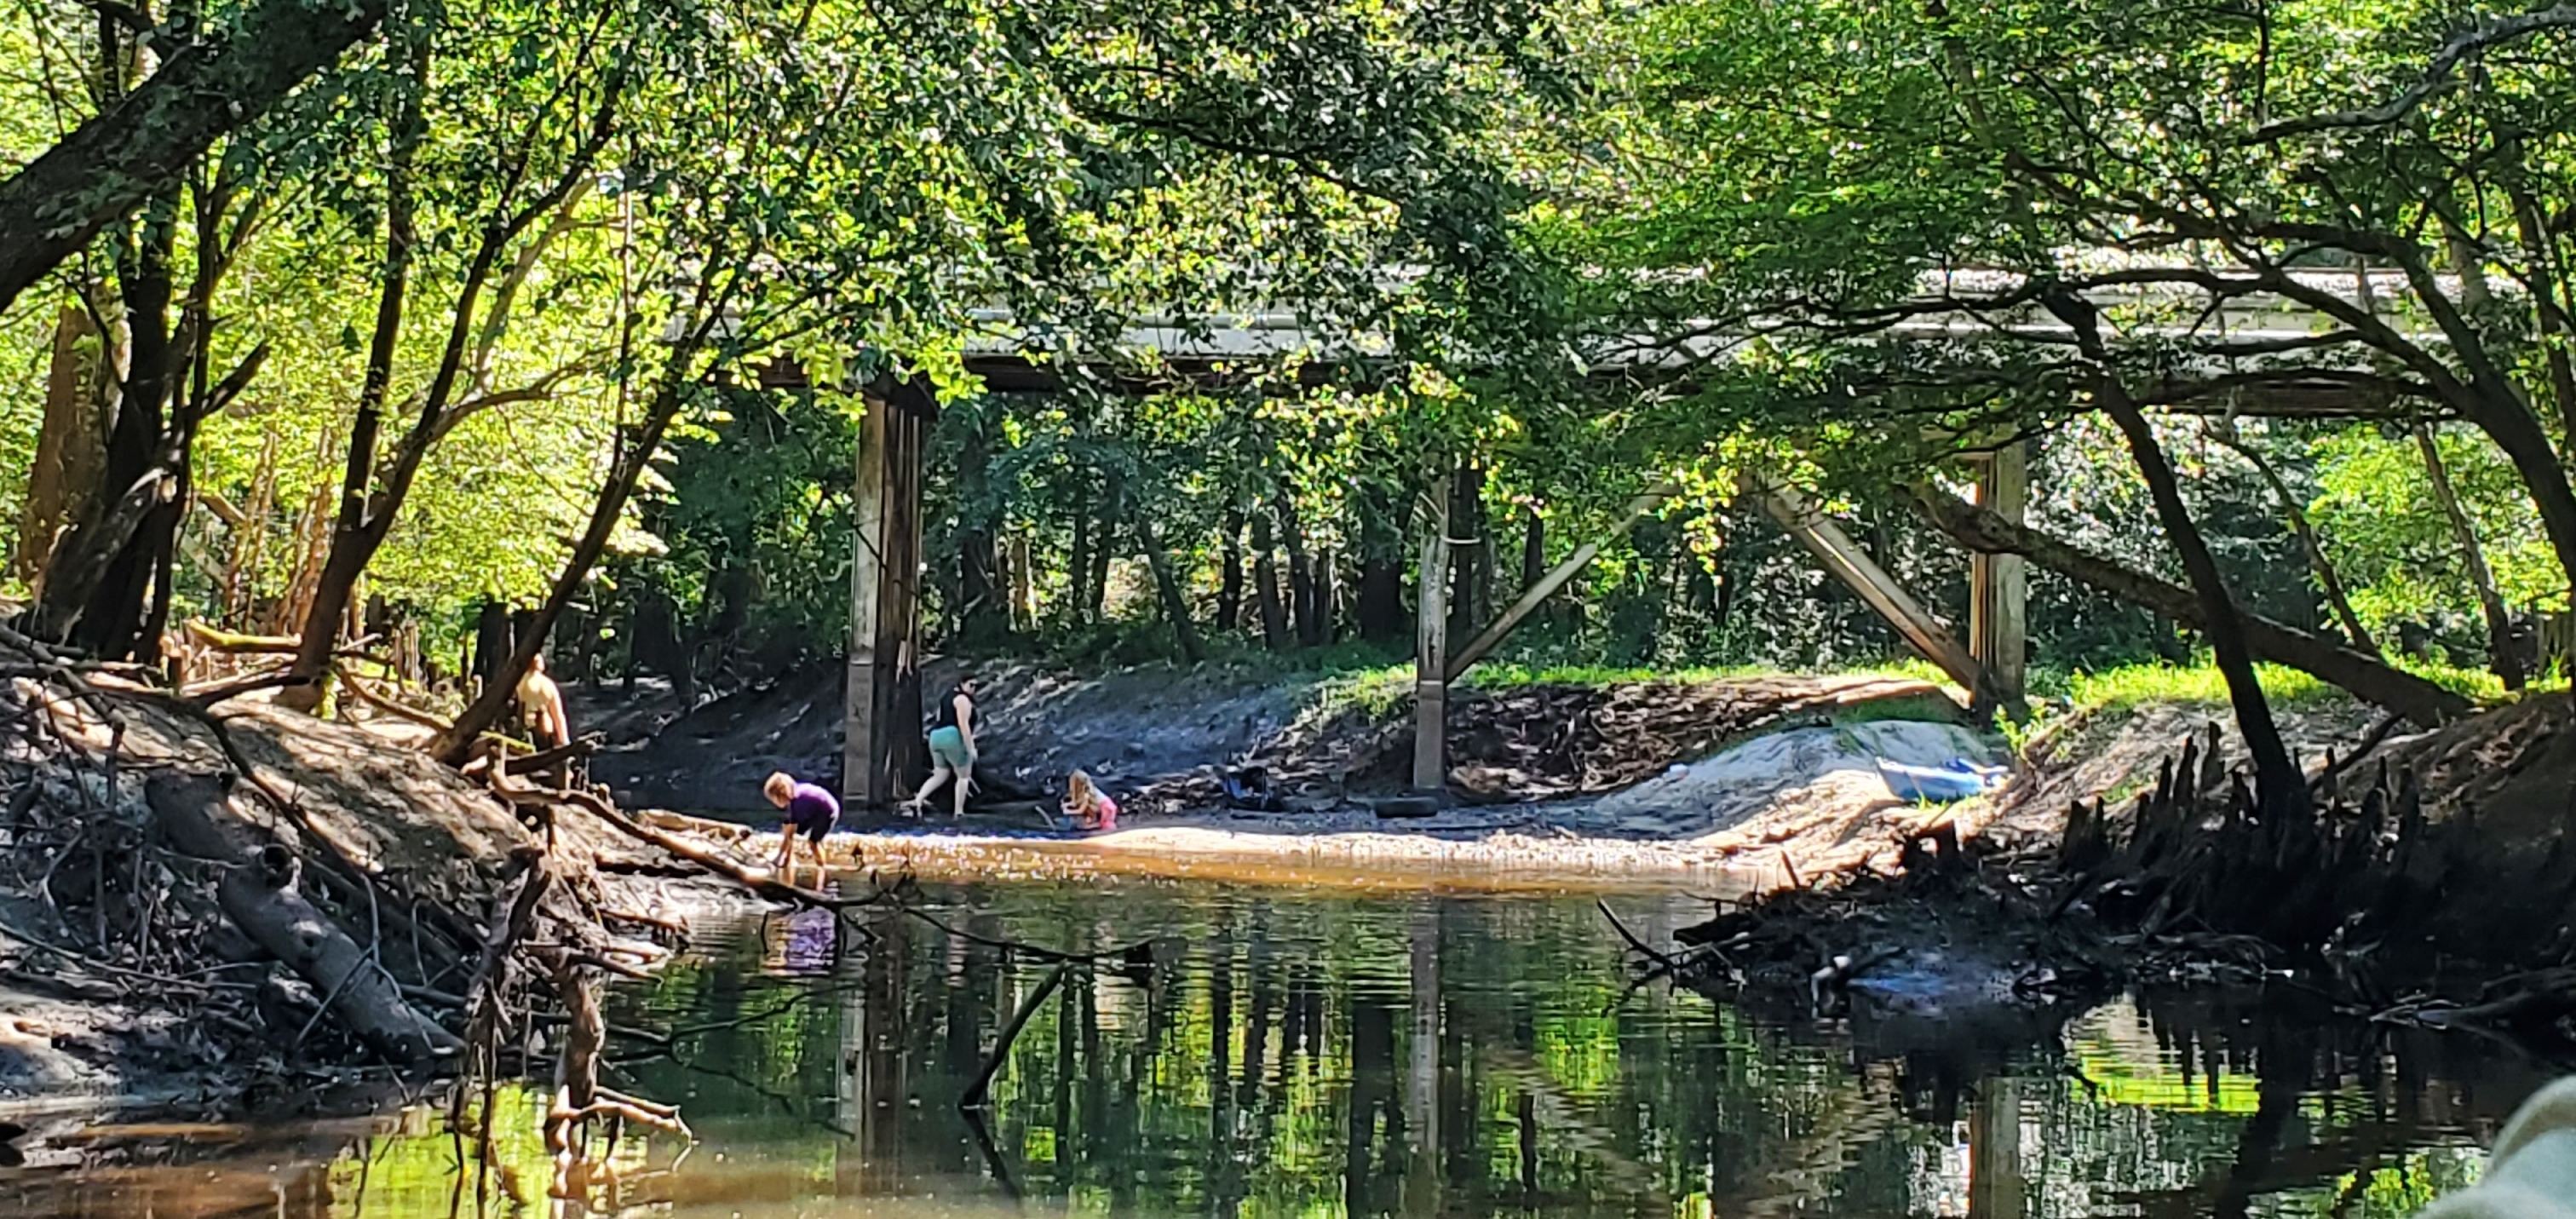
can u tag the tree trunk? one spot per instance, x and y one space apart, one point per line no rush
1104 543
1327 599
1176 603
2367 677
1307 611
457 743
113 611
1381 599
1078 571
139 146
1533 547
2499 412
2328 583
1229 589
350 551
2549 305
982 618
2280 791
63 485
1024 603
1378 520
2502 655
1265 586
375 511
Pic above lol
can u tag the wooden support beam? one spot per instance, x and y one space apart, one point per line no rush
1431 645
1846 562
1547 585
881 739
1999 589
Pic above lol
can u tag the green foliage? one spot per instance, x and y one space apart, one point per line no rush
2384 531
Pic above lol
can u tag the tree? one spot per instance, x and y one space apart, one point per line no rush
1959 223
1088 144
518 149
219 72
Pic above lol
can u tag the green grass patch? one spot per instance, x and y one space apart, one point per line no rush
1376 692
1934 708
1373 685
2201 684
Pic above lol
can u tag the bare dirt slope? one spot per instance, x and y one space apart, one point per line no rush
2112 755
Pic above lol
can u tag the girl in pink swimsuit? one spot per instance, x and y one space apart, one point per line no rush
1088 806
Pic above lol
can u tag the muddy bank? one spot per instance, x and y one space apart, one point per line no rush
1156 735
238 907
2433 888
1126 727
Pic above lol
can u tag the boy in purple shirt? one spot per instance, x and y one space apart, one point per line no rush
811 811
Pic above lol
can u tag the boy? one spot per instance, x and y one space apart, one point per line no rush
541 702
811 811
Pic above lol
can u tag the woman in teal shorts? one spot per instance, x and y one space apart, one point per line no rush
952 750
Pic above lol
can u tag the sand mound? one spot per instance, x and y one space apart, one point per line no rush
1739 783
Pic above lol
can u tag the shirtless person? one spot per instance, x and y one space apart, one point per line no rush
952 750
541 705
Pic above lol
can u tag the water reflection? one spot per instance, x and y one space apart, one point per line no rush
1290 1055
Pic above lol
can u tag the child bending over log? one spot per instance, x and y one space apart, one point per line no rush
811 812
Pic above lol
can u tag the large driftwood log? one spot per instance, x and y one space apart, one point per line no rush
259 894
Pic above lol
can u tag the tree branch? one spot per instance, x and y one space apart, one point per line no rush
2437 74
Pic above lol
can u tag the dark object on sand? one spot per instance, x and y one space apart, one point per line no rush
1249 789
1407 807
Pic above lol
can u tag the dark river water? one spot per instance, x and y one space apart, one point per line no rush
1289 1054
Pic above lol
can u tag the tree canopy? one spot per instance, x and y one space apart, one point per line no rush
571 310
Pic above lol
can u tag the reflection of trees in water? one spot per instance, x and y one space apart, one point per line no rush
1464 1057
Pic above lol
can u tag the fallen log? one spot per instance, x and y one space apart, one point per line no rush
386 703
544 759
2366 677
260 896
220 640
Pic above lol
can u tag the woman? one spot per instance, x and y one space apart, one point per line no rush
952 750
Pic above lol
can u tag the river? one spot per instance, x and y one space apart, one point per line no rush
1281 1053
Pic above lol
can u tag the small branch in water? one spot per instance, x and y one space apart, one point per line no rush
974 1094
1661 958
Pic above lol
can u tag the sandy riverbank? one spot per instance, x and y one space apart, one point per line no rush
1766 813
